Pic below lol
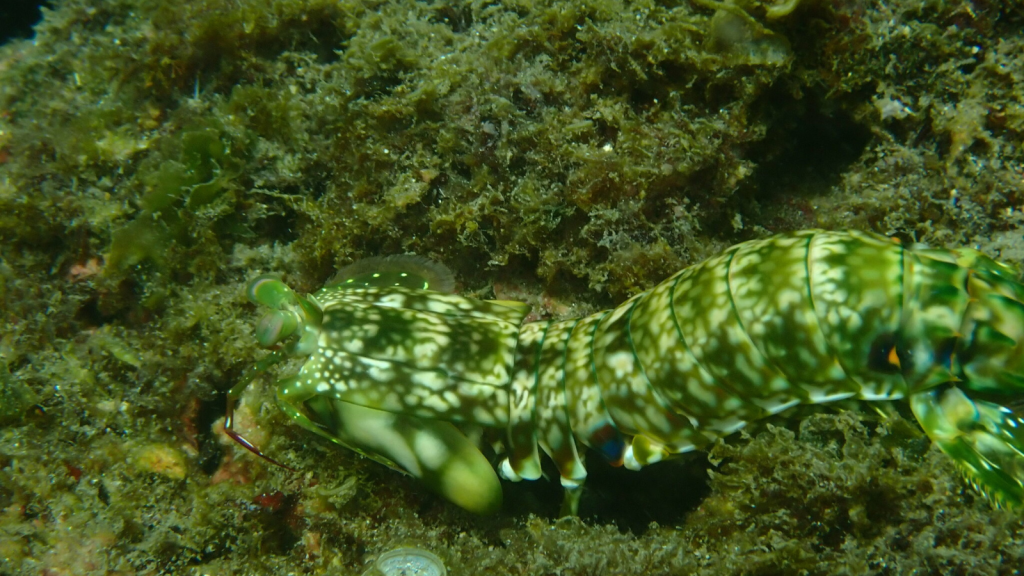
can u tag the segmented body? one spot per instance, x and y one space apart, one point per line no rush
801 318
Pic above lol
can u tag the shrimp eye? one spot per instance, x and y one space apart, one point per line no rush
275 327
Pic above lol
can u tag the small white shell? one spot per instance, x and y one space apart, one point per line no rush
407 562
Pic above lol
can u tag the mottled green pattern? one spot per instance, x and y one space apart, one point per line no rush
424 353
554 428
522 434
807 317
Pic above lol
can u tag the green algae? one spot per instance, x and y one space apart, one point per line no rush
15 398
180 182
155 156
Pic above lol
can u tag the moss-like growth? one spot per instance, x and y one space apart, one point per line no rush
180 183
155 155
15 398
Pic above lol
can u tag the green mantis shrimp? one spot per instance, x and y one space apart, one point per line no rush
397 368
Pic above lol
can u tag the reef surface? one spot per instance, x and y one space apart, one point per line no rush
156 155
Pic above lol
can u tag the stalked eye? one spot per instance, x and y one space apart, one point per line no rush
883 356
269 291
275 327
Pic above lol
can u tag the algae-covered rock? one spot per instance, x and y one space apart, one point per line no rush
156 155
15 398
